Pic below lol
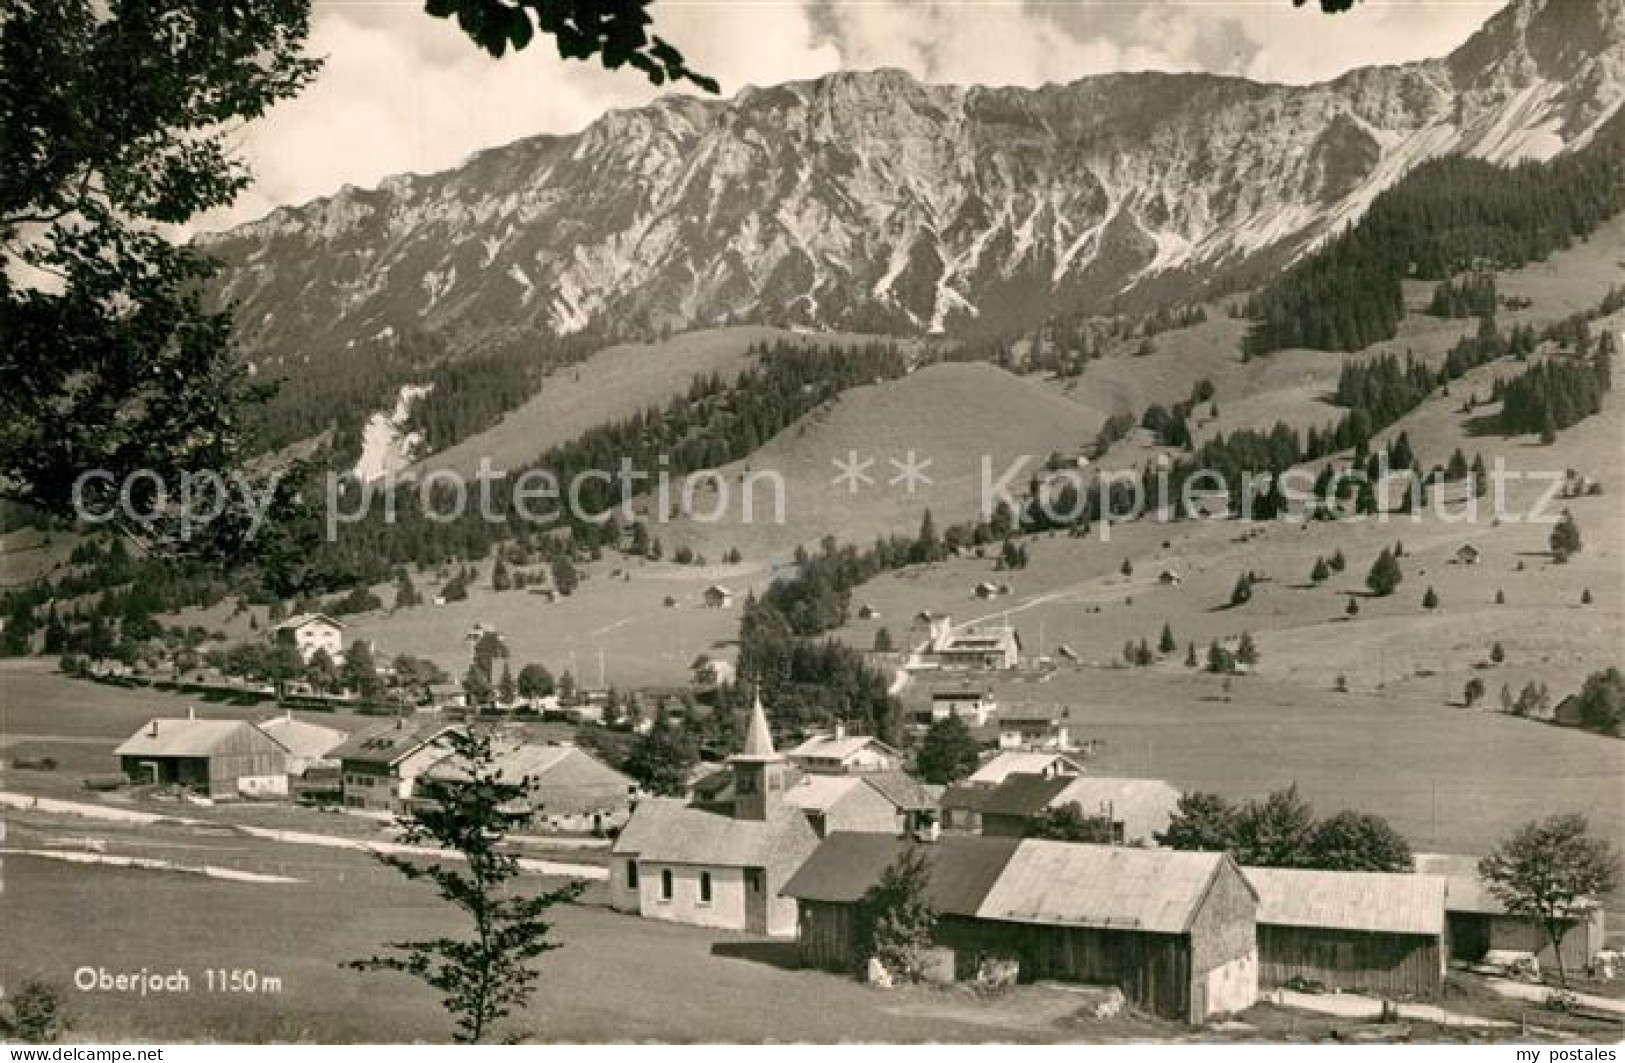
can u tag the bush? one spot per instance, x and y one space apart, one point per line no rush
34 1014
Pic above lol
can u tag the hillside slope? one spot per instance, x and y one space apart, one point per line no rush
952 415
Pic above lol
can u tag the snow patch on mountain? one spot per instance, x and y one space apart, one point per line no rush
386 446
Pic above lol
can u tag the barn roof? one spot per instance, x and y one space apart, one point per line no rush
1350 900
301 738
1102 886
668 831
962 869
190 738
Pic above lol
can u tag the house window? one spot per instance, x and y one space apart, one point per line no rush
753 879
665 883
705 887
631 874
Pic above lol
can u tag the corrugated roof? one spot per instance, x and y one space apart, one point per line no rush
962 869
186 738
1066 883
1350 900
667 831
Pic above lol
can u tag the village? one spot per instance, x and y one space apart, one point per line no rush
1040 869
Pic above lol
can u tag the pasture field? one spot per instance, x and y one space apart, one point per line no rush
617 978
612 384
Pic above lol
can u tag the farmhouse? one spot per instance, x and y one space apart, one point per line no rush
307 743
1477 923
1010 762
874 802
1129 811
310 632
841 753
705 866
1174 930
217 758
566 788
1358 931
380 767
1035 727
971 704
972 648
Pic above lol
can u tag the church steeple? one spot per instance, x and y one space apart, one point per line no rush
760 772
758 738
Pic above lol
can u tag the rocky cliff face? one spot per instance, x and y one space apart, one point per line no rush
872 201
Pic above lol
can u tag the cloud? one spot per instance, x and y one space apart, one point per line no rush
402 92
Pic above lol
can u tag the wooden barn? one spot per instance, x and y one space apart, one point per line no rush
1477 923
1173 930
217 758
1363 932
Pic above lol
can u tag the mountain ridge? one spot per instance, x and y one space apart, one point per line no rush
869 201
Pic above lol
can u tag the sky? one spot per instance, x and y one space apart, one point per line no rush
403 92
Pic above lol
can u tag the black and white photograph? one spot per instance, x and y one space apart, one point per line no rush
773 522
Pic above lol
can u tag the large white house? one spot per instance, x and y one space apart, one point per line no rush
311 632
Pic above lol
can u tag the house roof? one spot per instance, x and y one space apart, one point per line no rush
1011 762
962 869
901 790
830 747
819 793
303 739
1024 795
1350 900
966 797
299 620
1102 886
668 831
1126 798
514 761
187 738
390 743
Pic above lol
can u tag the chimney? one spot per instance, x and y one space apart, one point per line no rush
840 731
152 729
288 715
191 712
